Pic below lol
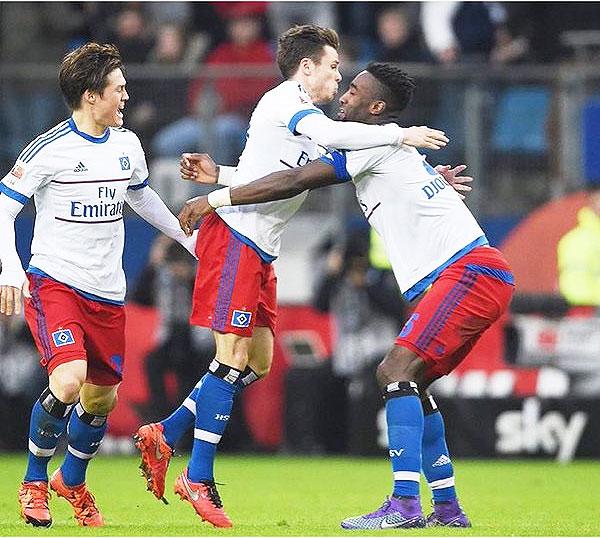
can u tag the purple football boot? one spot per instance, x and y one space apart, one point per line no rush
448 514
395 513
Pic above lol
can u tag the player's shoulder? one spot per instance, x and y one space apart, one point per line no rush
124 135
52 136
290 91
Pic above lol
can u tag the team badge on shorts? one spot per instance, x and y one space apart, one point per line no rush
63 337
241 319
124 163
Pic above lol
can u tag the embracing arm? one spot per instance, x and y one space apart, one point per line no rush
276 186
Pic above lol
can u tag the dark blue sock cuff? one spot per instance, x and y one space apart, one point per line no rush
226 373
399 389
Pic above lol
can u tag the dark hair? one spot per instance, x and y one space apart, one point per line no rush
396 86
86 68
306 41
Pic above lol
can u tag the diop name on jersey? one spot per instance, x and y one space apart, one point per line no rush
101 209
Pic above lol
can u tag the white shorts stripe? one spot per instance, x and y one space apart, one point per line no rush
81 455
443 483
407 475
41 452
190 404
204 435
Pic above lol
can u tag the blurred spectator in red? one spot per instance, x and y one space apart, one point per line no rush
232 97
398 38
131 35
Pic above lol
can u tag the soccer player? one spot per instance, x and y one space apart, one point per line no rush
234 292
81 173
434 243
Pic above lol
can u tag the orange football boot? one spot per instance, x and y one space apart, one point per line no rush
204 497
80 498
156 455
33 498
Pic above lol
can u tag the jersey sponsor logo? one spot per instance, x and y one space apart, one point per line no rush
17 171
63 337
125 165
241 319
80 168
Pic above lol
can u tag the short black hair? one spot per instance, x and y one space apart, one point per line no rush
396 86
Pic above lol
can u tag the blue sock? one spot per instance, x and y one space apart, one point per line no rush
405 433
213 408
437 466
48 419
182 419
85 432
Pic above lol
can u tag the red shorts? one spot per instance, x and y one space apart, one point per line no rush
462 303
66 327
235 290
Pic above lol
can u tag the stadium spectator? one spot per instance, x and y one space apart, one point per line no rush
235 288
579 256
82 172
167 283
440 256
219 110
283 15
398 38
368 314
131 35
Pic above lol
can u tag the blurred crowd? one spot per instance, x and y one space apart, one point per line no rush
181 113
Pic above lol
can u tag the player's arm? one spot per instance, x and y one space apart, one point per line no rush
148 205
353 135
276 186
12 277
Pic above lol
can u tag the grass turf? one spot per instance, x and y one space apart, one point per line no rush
290 496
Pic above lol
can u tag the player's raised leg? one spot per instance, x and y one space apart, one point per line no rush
438 469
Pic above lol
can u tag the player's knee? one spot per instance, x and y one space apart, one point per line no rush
400 364
100 405
66 387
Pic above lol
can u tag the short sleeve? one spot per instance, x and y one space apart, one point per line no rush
24 179
293 105
139 176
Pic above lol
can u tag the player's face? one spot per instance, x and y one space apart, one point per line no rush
326 77
355 103
108 107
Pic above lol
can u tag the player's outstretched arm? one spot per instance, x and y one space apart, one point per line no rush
458 183
276 186
354 135
201 168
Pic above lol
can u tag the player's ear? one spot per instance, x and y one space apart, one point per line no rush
306 66
89 97
377 107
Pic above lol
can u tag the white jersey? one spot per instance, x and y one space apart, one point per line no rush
79 184
273 145
422 221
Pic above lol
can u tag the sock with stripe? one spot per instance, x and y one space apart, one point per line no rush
182 419
404 416
48 420
213 409
437 466
85 432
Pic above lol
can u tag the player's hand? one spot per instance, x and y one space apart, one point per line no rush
424 137
10 299
458 183
198 167
192 212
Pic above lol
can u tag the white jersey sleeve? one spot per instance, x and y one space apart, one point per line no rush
25 178
293 104
352 165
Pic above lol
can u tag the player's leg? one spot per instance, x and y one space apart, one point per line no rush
85 431
398 376
438 468
50 314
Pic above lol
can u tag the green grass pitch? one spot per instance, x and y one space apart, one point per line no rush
291 496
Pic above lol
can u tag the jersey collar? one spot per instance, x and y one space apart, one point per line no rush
90 138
